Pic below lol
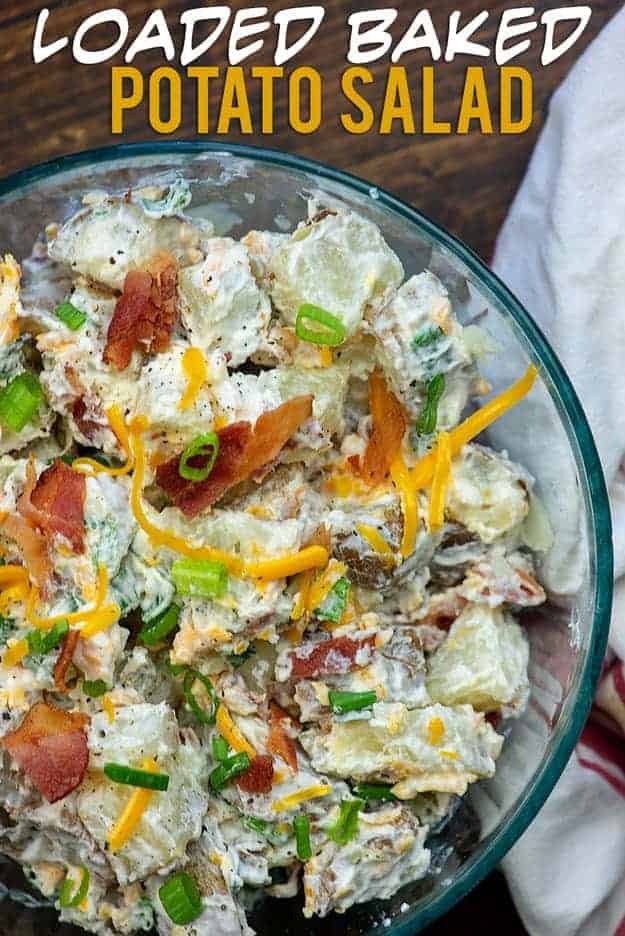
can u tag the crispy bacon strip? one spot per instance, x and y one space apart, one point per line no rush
331 657
64 659
145 313
389 426
280 742
259 776
242 451
50 746
55 503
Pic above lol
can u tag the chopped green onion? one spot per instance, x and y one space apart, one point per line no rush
374 791
426 423
335 602
332 332
204 446
44 642
163 624
301 827
342 702
204 716
260 826
181 899
200 577
65 895
139 778
177 669
346 826
94 689
70 315
426 336
220 748
238 659
228 770
20 400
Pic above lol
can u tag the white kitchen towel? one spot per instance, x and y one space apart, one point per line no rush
562 251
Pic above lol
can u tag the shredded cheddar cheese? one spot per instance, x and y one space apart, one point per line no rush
109 708
436 730
440 482
13 575
312 557
132 814
15 652
325 356
375 539
90 466
196 371
231 733
423 471
300 796
320 586
94 619
403 483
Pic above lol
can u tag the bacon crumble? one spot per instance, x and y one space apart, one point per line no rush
50 745
145 313
242 451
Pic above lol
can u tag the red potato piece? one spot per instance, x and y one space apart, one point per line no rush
280 742
258 777
242 451
331 657
145 313
51 747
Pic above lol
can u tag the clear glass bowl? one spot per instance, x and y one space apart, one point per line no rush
241 187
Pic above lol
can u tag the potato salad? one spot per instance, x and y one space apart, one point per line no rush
261 583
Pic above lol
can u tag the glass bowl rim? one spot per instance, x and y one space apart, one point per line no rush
474 870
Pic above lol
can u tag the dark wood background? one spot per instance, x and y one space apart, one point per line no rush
466 183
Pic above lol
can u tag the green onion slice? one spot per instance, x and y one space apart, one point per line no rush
138 778
331 333
204 716
260 826
94 689
301 827
426 423
220 748
200 577
181 898
342 702
374 791
228 770
44 642
204 446
346 826
333 605
163 624
65 894
20 400
427 336
70 315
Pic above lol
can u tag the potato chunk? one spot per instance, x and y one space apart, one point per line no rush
430 749
338 261
482 663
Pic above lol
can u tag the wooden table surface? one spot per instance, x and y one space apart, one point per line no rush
464 182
